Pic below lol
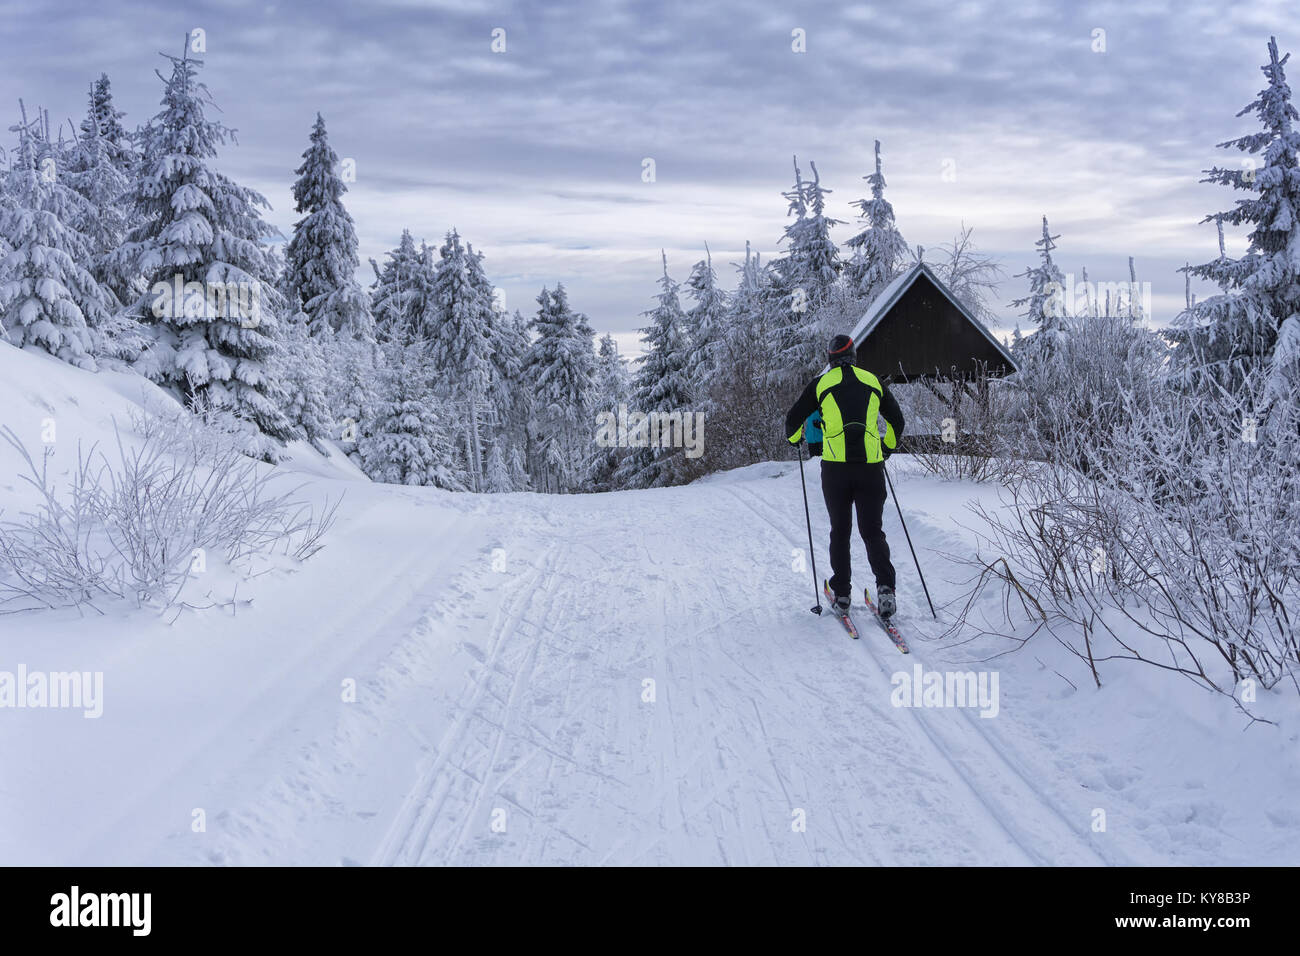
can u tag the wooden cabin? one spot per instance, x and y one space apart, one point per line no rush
916 335
916 331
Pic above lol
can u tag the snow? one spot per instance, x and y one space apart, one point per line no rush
500 647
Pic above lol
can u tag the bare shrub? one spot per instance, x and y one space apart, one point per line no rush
965 435
130 523
1169 536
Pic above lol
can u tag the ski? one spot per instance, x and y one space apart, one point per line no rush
889 628
843 618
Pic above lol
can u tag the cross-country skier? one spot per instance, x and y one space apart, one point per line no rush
850 401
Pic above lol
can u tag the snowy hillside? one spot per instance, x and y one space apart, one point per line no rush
623 678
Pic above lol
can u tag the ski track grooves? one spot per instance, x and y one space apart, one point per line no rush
1000 813
751 720
409 836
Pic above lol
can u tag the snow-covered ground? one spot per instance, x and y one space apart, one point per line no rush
631 678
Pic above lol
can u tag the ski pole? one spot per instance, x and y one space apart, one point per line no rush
808 520
894 495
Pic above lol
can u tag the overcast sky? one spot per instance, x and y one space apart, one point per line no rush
536 154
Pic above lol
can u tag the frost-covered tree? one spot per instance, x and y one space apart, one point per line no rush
811 263
612 388
742 402
613 379
496 478
321 260
303 372
559 368
803 278
401 293
354 367
705 322
406 441
96 170
459 342
879 251
1045 304
969 274
204 234
1256 319
661 385
104 120
1134 308
511 406
48 299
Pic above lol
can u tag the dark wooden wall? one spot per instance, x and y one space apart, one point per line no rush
925 335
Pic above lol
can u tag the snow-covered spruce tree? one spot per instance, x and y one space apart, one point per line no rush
705 322
496 476
661 385
459 344
741 404
321 260
204 233
400 293
302 370
612 388
95 169
879 251
48 299
406 441
1256 320
355 367
803 279
1045 304
104 120
511 404
559 368
508 408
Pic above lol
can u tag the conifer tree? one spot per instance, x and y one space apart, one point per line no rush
1255 321
201 232
879 251
48 300
406 440
559 368
321 260
660 385
401 292
459 343
802 279
704 322
1045 305
303 373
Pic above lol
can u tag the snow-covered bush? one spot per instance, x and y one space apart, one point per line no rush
1067 395
138 521
967 435
1179 547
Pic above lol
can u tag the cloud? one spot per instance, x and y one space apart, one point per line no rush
536 154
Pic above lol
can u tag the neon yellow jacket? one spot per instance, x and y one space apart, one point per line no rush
851 401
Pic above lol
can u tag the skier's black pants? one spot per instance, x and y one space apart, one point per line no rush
846 485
